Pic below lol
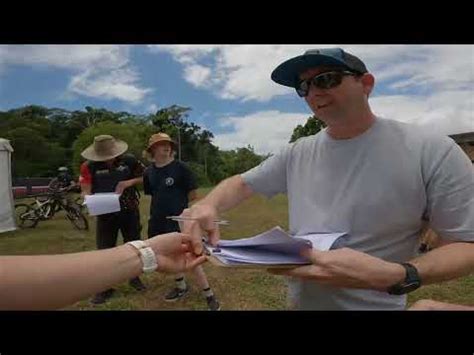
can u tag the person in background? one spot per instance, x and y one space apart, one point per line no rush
172 186
109 169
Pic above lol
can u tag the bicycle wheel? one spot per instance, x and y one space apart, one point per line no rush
77 218
26 216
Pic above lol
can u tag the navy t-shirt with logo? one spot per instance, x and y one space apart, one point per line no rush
169 187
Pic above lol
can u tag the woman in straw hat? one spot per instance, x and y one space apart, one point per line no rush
172 186
108 169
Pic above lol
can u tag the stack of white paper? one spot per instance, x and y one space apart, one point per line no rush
270 249
102 203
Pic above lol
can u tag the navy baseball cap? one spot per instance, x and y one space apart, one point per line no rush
287 73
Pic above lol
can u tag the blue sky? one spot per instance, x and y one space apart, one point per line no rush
228 87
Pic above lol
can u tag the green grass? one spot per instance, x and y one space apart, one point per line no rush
236 289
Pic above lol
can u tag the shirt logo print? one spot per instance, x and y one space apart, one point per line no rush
169 181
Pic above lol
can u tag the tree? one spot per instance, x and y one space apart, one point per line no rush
312 126
240 160
33 154
202 178
46 138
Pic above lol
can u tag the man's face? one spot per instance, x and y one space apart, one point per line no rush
161 151
335 103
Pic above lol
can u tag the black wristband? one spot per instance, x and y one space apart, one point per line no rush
412 281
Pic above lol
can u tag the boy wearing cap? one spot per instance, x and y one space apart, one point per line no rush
377 179
172 186
109 169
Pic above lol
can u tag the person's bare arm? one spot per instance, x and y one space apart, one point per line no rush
54 281
122 185
350 268
449 261
86 189
228 194
431 305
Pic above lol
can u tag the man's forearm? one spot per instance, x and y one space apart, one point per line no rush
228 194
54 281
445 263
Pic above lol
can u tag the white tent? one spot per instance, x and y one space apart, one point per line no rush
7 207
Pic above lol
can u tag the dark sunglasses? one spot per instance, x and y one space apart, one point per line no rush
327 80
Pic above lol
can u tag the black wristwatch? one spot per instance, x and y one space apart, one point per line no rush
411 283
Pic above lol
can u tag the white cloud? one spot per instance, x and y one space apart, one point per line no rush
266 131
448 112
197 75
101 71
66 56
118 84
242 72
237 71
430 68
185 53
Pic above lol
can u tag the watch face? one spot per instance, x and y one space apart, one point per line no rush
412 286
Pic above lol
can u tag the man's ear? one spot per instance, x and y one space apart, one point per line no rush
368 82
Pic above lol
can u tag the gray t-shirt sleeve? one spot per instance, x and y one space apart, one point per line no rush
450 192
269 178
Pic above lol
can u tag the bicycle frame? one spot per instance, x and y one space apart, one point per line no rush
40 206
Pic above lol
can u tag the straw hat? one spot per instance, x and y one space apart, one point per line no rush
105 147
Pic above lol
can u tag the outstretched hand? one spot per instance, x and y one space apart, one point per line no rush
174 253
202 223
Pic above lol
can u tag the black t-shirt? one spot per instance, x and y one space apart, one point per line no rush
104 178
169 187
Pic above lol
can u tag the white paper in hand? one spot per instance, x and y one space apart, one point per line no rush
273 248
102 203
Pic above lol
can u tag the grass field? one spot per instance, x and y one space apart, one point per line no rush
236 289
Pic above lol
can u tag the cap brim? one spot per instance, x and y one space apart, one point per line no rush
288 72
90 154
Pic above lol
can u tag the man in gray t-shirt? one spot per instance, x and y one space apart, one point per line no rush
377 179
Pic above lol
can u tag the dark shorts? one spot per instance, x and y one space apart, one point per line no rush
108 226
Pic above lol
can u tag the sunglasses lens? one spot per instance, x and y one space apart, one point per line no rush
302 89
327 80
323 81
